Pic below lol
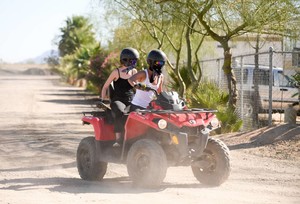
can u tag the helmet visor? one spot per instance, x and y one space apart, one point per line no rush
130 62
159 63
133 62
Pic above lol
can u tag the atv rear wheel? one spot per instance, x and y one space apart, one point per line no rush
217 170
89 167
146 163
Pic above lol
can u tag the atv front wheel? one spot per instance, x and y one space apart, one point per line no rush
217 168
89 167
146 163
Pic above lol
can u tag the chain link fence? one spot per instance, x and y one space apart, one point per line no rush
267 92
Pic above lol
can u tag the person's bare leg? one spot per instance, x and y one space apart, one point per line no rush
118 140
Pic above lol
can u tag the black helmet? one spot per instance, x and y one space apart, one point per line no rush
156 60
129 56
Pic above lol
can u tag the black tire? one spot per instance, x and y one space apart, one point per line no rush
217 154
146 163
88 166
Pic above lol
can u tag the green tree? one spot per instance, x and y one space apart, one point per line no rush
100 66
226 19
77 32
164 26
168 22
85 63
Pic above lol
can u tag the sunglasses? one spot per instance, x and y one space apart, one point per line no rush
159 63
131 62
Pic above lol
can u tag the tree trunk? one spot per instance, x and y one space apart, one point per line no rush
189 51
255 82
230 76
182 86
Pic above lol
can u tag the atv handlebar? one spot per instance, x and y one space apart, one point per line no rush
144 87
100 103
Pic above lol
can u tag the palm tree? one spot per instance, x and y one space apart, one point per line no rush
77 33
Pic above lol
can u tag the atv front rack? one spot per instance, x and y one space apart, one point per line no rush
193 110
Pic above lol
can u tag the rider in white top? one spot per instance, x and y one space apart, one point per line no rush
143 98
151 76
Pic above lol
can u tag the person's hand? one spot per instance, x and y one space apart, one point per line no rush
140 86
104 101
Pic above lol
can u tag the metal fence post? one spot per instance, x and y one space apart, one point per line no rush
270 84
242 88
219 73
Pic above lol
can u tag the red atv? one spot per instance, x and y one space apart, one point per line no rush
166 134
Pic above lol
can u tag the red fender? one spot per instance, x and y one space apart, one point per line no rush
103 131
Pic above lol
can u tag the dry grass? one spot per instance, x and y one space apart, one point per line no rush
279 141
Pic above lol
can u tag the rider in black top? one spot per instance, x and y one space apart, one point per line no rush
122 90
122 94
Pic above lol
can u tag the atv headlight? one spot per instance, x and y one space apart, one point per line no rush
162 124
215 123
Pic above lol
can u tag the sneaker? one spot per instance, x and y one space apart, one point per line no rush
116 144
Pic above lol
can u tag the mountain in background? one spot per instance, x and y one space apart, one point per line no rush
42 59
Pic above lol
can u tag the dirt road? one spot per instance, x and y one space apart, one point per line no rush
40 129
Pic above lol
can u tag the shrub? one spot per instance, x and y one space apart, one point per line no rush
208 95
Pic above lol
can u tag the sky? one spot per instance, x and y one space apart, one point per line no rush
28 27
